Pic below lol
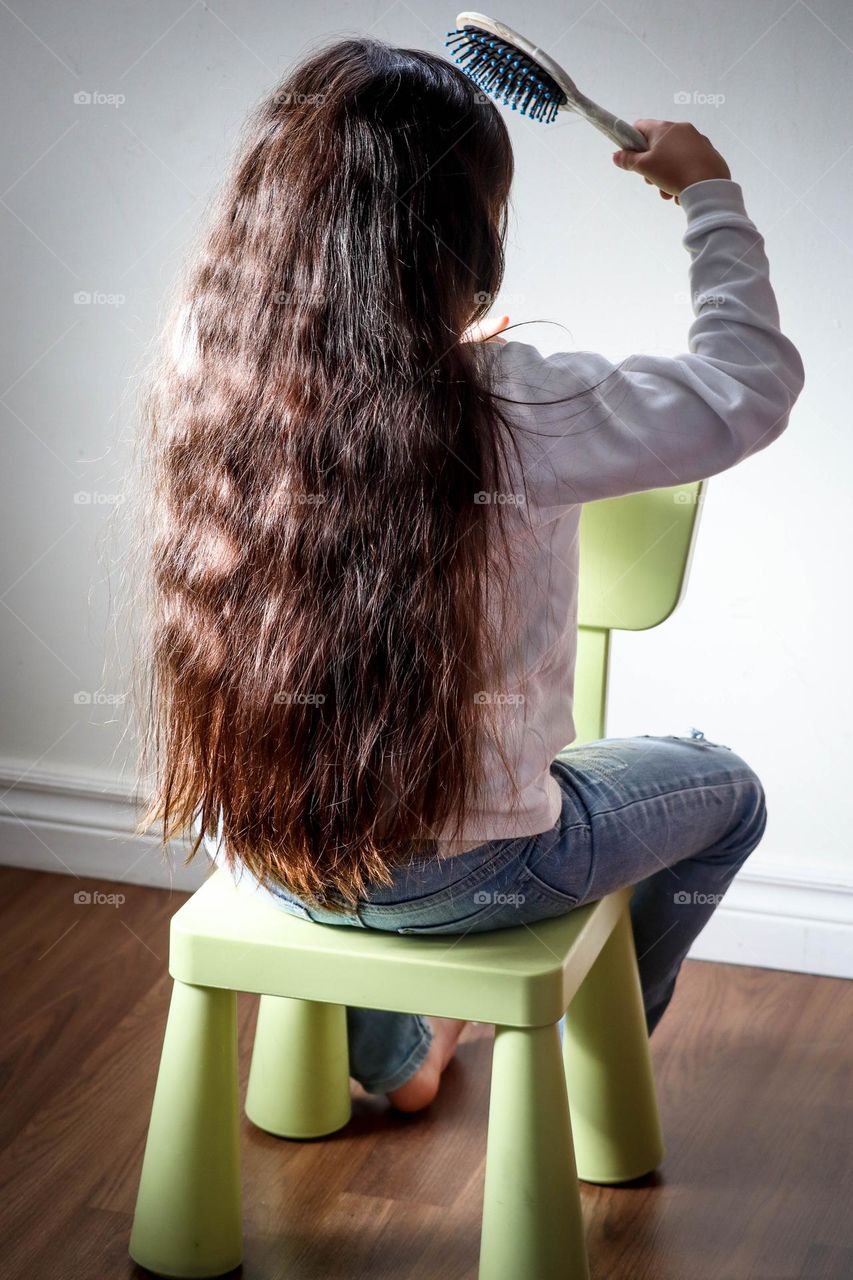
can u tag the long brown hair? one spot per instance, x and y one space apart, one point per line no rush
319 441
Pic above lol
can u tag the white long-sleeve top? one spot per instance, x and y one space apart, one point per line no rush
650 422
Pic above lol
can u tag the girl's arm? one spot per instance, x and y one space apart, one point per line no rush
654 421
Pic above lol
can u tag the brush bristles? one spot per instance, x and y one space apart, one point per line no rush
509 75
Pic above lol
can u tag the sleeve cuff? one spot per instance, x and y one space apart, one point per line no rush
712 196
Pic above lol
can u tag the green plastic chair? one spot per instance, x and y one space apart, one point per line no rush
587 1110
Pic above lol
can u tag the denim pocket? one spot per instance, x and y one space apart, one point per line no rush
476 922
558 869
517 899
290 905
450 895
534 891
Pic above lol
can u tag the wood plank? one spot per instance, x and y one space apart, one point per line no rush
754 1073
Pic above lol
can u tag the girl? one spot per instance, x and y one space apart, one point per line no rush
364 539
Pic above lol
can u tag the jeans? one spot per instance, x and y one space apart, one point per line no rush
677 817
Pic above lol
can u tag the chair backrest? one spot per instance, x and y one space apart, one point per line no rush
634 560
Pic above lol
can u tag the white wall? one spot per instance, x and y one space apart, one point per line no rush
103 199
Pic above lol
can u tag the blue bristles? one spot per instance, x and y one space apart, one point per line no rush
502 70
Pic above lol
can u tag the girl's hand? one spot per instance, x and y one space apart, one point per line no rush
678 156
486 331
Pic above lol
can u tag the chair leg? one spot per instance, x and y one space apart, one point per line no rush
608 1065
187 1220
299 1078
532 1224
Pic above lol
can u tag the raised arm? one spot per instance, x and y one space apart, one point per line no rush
653 421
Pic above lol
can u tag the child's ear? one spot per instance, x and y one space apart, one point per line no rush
486 330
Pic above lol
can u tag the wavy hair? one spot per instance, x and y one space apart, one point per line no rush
321 568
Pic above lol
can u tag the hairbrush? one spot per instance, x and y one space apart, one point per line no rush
520 75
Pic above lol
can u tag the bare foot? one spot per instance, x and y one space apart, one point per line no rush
421 1088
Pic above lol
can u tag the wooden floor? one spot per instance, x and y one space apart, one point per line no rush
754 1073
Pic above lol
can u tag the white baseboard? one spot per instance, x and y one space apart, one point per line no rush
775 915
82 826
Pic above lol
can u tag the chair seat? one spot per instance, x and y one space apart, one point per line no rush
526 977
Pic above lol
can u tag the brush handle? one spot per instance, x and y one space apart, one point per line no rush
620 132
